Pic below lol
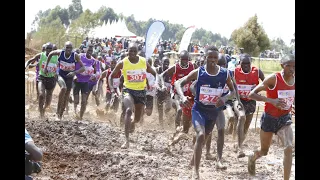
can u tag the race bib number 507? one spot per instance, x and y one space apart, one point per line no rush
288 96
209 96
136 75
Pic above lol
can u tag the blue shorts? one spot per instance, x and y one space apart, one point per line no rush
204 116
91 85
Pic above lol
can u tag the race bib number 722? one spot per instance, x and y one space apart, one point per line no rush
138 75
209 96
288 96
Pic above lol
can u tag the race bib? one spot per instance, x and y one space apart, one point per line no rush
87 71
67 66
138 75
244 90
116 82
288 96
51 67
209 96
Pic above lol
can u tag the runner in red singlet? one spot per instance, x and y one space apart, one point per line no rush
280 90
246 77
176 72
112 99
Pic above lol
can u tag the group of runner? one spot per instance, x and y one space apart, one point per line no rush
198 92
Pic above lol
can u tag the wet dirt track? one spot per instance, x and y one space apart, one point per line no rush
90 149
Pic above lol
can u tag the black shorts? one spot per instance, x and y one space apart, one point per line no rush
274 124
49 83
249 106
149 102
139 96
68 82
83 86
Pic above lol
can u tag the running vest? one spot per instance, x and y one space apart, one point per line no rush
151 83
134 75
182 72
281 90
226 88
88 66
52 66
245 81
210 87
66 65
167 79
116 79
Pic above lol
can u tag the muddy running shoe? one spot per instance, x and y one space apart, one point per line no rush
251 165
219 165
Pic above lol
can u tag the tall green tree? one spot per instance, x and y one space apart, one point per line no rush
75 9
251 37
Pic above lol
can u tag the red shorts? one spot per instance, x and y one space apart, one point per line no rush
187 111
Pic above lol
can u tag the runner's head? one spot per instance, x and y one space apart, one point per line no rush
211 55
43 47
184 58
54 47
68 47
99 58
245 62
222 60
150 61
113 63
165 63
156 62
94 55
133 50
48 48
89 50
288 65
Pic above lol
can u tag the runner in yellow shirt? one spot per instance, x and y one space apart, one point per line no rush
134 70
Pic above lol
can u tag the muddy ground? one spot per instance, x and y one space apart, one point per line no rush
90 149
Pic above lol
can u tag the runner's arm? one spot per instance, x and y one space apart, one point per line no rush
115 71
77 58
103 75
32 60
169 72
232 89
261 75
193 75
151 70
52 53
269 82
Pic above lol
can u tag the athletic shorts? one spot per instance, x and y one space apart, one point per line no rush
139 96
149 102
274 124
204 116
67 81
91 85
249 106
48 82
83 86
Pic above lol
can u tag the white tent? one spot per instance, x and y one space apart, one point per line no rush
123 31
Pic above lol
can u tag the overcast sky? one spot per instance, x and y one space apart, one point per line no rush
276 16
